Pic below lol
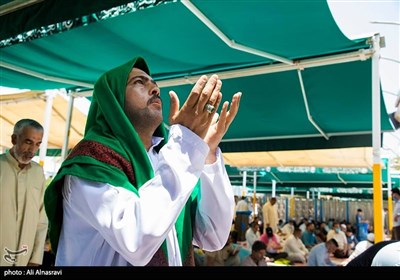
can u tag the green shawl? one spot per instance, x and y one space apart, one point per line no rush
108 126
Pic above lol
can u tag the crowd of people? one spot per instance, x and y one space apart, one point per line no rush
303 243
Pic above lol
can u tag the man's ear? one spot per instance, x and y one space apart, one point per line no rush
14 139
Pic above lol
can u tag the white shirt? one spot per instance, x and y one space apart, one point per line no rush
251 237
340 237
109 225
388 255
294 245
360 247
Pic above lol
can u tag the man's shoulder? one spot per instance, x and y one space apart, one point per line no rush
3 158
36 165
36 169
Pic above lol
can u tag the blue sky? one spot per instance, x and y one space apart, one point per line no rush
359 19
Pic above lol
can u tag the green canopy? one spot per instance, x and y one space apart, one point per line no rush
304 84
343 182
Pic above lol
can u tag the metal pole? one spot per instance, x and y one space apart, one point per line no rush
273 188
68 119
46 125
376 142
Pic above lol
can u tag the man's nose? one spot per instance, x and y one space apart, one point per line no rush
33 148
155 91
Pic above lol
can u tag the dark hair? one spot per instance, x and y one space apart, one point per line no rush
258 245
26 122
396 190
269 232
333 241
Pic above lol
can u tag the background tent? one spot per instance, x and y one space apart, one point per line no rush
292 63
334 181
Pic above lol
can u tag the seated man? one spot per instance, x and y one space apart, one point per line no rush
274 247
308 236
295 248
252 233
340 237
320 254
257 256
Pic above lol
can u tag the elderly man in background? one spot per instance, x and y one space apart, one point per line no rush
23 224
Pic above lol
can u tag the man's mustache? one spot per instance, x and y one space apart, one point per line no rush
155 97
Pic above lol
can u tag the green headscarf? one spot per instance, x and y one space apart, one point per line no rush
108 126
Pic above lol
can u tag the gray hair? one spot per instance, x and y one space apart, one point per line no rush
19 126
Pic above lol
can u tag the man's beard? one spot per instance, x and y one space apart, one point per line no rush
142 120
23 158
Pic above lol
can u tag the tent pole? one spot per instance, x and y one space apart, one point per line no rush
389 194
309 117
292 203
255 194
46 125
68 119
359 55
244 183
376 142
273 194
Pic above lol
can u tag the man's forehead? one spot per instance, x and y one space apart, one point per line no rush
136 71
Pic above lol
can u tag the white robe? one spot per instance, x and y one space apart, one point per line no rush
107 225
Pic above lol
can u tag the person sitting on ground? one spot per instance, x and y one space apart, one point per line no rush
295 248
351 240
308 236
321 231
257 256
341 239
252 233
320 254
274 246
227 256
361 247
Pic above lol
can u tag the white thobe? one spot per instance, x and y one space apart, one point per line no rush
23 221
109 225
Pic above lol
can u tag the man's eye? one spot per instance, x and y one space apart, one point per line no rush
139 81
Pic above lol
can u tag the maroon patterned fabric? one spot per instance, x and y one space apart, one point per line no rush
104 154
158 259
189 260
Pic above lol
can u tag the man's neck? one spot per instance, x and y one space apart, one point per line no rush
145 133
147 138
20 165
